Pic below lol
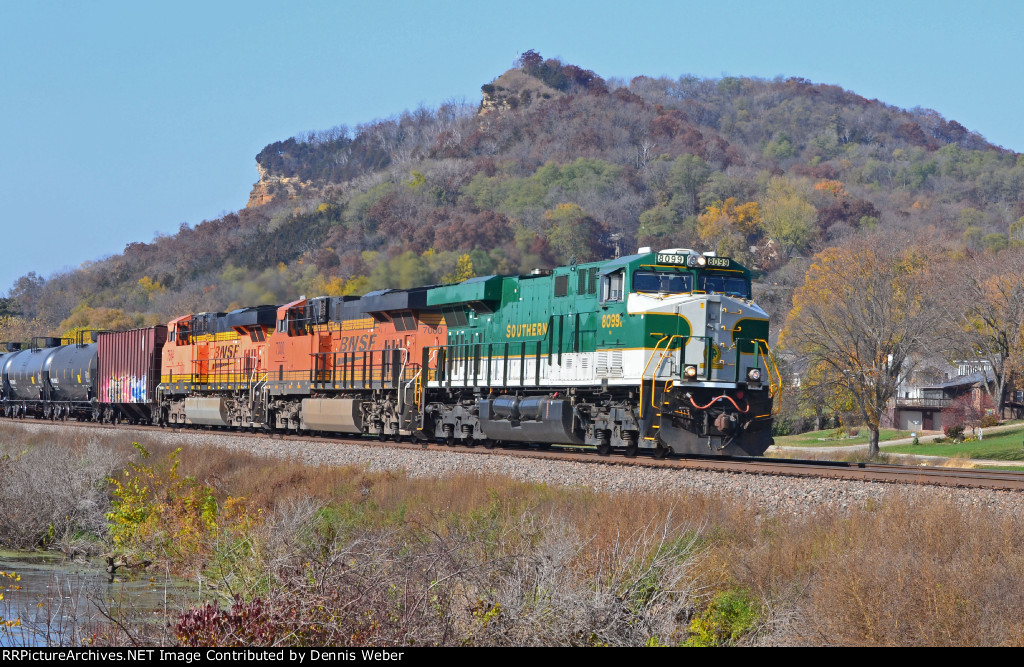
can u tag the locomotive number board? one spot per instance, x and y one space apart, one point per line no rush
684 260
718 262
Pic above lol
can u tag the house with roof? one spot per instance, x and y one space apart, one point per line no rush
926 406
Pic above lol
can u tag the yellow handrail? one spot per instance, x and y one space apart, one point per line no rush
656 346
774 383
654 379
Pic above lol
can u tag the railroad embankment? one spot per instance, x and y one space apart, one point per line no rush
314 542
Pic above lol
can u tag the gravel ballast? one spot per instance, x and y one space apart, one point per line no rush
768 493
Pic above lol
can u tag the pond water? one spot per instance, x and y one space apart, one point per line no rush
62 602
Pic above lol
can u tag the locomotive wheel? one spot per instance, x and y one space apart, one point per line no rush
450 441
660 451
631 449
490 444
604 449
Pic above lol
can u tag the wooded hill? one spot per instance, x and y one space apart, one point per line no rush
557 163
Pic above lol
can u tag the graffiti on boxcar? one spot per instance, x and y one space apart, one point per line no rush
124 389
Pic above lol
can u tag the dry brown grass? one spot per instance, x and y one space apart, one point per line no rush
53 495
913 570
958 463
526 563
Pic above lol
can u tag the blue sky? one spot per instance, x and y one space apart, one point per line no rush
121 120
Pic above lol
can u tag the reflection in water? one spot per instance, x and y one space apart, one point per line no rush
62 602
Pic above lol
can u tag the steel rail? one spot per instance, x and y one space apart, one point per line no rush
842 470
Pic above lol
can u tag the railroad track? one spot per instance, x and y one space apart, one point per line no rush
865 472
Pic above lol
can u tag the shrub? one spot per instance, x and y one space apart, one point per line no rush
730 615
157 512
989 420
782 426
954 432
13 578
53 496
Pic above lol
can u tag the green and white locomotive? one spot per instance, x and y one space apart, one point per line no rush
659 352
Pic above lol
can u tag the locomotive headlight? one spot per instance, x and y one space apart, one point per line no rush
690 372
701 261
754 375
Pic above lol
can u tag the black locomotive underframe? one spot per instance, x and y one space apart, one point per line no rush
685 420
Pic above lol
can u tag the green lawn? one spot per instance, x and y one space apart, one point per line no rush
998 446
828 439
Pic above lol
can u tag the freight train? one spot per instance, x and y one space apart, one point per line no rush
658 352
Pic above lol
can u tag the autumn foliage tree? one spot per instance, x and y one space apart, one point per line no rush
788 215
863 311
574 234
986 304
729 227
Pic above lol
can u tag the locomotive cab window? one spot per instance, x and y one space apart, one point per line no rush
662 281
611 286
724 284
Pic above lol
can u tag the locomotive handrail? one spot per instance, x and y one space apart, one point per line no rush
468 359
401 377
654 375
649 360
774 384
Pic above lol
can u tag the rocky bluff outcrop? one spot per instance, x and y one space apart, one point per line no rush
275 188
515 89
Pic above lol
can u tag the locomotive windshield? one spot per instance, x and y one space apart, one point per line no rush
723 284
662 281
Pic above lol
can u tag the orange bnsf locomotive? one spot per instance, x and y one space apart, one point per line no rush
342 364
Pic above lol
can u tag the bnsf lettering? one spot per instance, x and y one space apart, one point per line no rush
357 343
520 330
611 321
225 352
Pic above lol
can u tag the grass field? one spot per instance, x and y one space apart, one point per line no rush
1004 446
828 439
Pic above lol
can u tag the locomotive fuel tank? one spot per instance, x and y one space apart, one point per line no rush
531 419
